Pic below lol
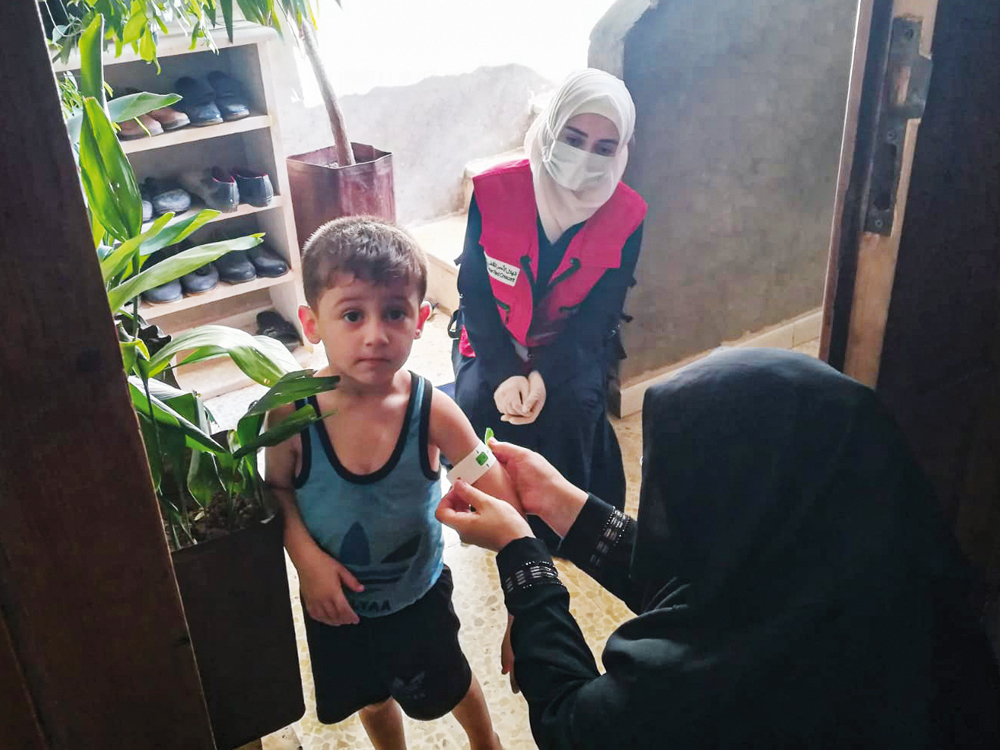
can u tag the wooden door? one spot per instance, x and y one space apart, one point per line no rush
94 648
913 289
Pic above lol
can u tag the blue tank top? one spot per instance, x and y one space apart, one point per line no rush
380 526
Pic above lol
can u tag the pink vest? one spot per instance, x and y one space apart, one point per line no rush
506 199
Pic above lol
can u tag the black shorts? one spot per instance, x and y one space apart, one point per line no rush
412 655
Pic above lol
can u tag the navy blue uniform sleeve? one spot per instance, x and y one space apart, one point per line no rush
587 332
570 704
487 334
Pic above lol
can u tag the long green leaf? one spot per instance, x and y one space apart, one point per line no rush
293 387
108 180
163 414
130 106
176 231
292 425
254 355
116 261
174 267
91 65
136 23
227 16
203 481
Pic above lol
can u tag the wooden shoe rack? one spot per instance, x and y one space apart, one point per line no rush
253 142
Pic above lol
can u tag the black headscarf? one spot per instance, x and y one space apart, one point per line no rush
800 586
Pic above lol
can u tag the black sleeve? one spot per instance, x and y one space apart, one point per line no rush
589 329
570 705
487 334
600 543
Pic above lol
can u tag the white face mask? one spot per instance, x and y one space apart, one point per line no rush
576 169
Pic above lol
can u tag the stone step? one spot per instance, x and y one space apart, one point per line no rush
442 240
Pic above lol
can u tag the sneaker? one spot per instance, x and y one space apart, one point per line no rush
268 263
270 323
216 188
235 268
230 96
255 187
167 195
197 101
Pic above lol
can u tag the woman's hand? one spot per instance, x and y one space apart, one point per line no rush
543 491
481 519
534 403
511 394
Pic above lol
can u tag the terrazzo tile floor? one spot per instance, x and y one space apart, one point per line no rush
477 598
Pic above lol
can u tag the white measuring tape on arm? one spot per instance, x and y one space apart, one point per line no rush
471 468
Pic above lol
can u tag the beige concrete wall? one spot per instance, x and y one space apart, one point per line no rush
740 112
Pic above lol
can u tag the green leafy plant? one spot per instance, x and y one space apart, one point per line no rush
137 23
208 481
214 485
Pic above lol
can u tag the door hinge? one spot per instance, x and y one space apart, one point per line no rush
904 96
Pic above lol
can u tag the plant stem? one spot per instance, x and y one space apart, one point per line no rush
182 498
345 155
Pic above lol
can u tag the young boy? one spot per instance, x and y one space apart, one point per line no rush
359 490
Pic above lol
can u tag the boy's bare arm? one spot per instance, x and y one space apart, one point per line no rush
321 577
452 433
280 463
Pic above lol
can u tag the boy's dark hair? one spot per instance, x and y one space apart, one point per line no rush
371 249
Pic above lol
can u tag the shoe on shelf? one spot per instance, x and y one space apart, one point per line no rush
147 203
268 263
270 323
169 118
230 96
255 187
214 186
167 195
131 130
169 292
201 280
197 101
235 267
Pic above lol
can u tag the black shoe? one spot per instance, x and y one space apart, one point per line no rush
169 292
254 187
201 280
268 263
270 323
147 203
213 186
235 267
197 101
229 96
167 195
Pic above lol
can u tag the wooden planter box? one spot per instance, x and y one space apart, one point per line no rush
322 191
237 606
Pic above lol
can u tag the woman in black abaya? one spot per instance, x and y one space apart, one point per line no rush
793 582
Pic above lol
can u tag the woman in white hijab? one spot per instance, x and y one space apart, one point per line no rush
550 252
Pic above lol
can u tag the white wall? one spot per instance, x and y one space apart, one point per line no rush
437 82
373 43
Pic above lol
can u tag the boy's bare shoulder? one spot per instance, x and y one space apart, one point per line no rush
279 414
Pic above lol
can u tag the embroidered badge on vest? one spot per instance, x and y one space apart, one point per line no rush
505 273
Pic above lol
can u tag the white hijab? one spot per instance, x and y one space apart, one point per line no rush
587 91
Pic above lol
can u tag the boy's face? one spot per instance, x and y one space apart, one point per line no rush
367 329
